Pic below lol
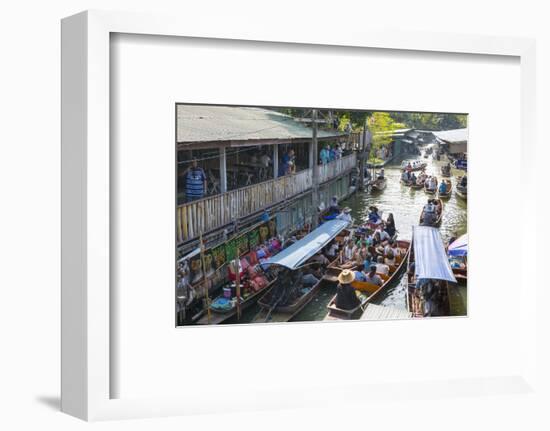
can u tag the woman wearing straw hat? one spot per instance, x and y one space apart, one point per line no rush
346 299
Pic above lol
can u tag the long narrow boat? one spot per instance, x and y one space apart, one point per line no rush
418 184
369 291
379 184
293 258
218 316
416 165
439 215
428 262
275 313
428 190
461 190
447 194
445 172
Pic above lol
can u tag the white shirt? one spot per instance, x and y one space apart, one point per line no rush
384 235
344 216
382 268
333 249
265 159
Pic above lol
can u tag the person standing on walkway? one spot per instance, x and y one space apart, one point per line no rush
195 182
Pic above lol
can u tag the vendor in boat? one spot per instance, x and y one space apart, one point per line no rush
381 174
405 177
346 299
413 178
443 187
389 227
372 277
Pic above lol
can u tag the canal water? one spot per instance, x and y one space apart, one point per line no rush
406 205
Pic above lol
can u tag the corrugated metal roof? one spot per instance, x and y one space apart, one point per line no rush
456 135
201 123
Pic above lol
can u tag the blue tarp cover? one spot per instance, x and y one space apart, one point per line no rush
431 260
299 252
459 247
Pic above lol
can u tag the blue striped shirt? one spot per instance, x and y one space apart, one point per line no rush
194 187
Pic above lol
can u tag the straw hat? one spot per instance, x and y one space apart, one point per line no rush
346 276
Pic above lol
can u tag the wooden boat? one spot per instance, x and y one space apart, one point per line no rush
461 274
369 291
416 165
218 316
418 185
447 194
445 172
460 190
439 295
439 216
297 255
275 313
379 184
430 191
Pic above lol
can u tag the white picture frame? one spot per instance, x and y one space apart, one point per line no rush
86 313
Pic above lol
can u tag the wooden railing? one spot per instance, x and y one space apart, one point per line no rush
215 211
335 168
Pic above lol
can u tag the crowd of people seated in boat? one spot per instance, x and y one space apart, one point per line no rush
375 268
410 178
431 212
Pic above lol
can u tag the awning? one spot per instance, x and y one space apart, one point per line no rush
299 252
431 261
459 247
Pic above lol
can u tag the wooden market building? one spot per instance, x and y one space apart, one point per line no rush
228 143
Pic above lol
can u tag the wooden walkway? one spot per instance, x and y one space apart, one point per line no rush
380 312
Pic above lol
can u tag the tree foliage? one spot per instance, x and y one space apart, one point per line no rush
380 124
431 121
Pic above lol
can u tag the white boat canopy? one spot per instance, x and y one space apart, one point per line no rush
299 252
431 260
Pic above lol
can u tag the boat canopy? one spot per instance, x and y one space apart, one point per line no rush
459 247
431 260
299 252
